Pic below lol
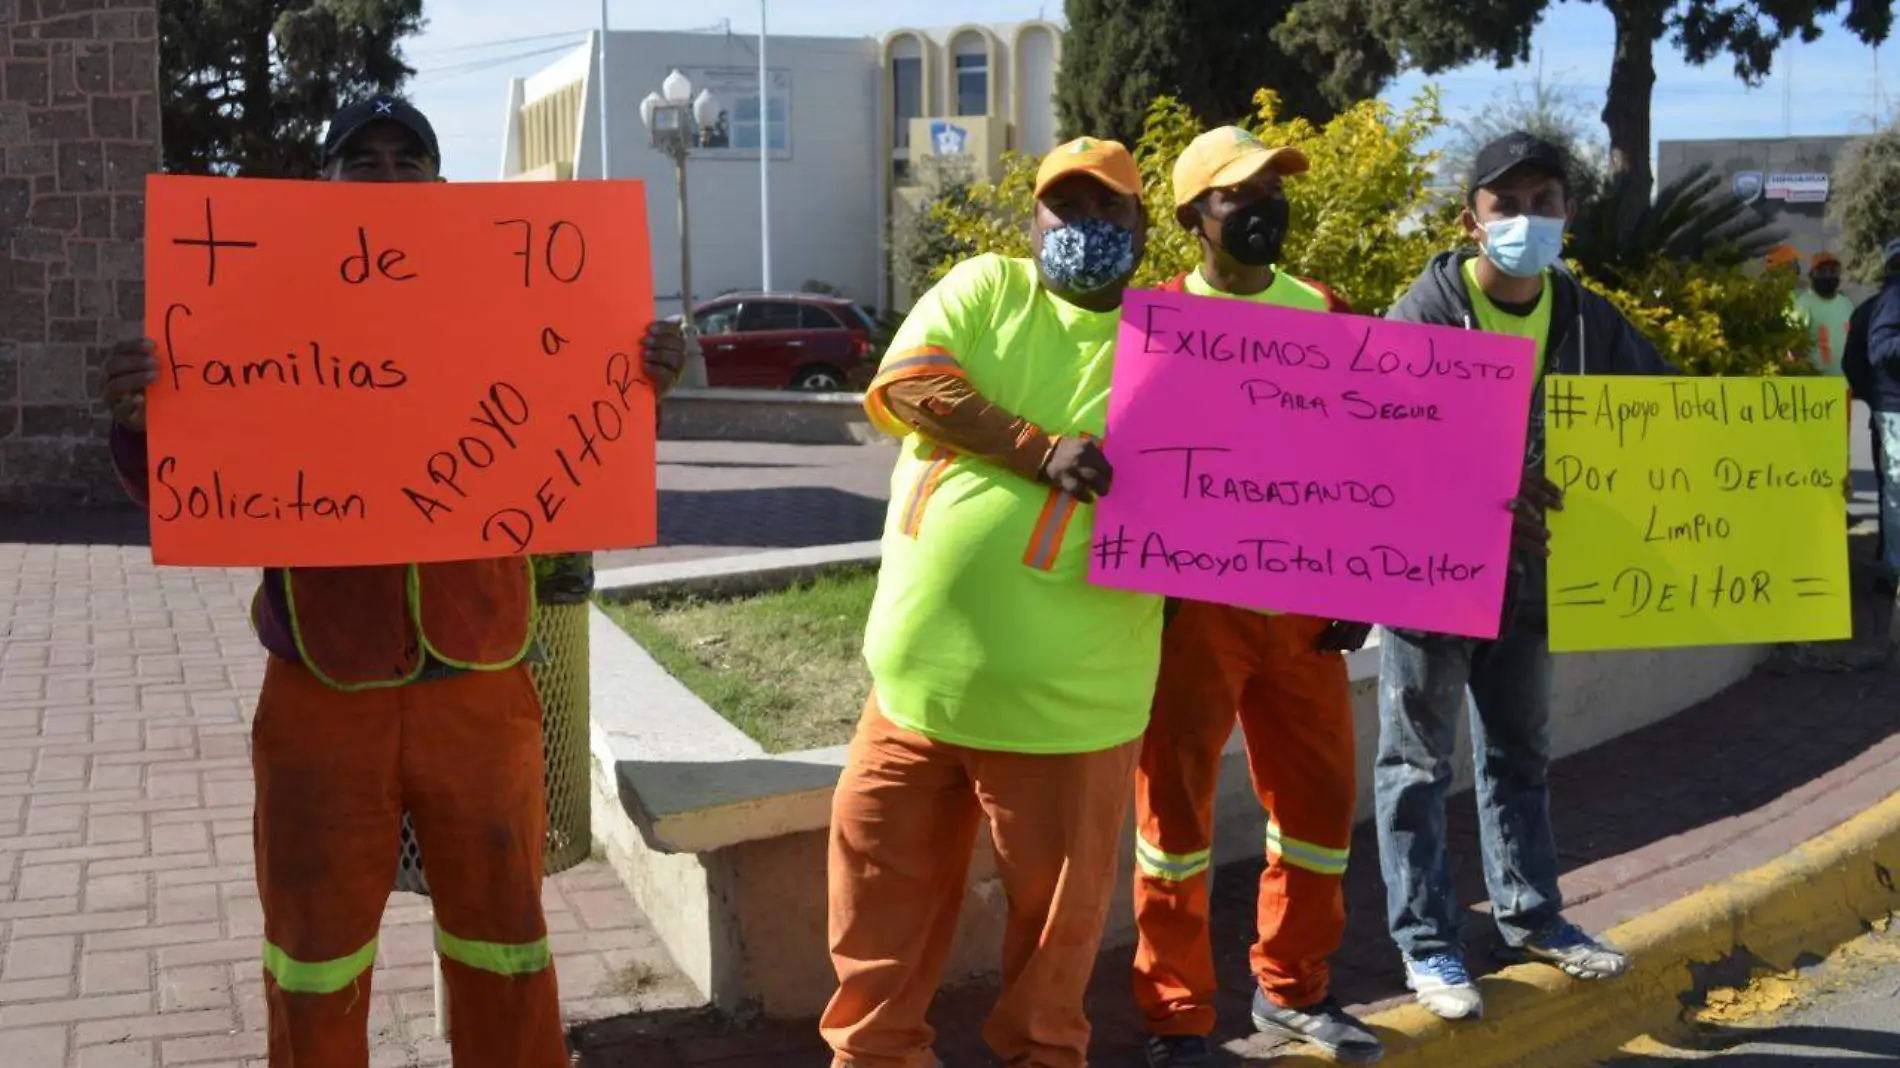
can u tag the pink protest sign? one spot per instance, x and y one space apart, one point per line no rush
1330 465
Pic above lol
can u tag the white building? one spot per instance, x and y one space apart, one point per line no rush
846 119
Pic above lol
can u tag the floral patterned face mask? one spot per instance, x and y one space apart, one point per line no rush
1087 256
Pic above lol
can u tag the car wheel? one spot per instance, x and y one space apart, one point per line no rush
818 379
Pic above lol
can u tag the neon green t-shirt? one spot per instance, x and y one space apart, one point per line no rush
1285 291
1495 320
1826 320
984 631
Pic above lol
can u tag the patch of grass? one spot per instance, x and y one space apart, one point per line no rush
785 667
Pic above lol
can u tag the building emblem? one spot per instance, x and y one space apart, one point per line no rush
948 139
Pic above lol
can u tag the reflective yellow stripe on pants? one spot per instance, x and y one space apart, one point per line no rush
501 958
317 977
1169 867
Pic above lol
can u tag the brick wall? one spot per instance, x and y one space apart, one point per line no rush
78 134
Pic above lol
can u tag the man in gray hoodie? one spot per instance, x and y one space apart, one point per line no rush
1517 205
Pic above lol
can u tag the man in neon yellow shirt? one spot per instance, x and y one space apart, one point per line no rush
1005 685
1824 312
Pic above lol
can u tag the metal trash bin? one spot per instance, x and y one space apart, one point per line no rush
563 585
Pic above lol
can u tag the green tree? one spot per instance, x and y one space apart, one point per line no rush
1868 208
1118 56
248 84
1437 35
920 236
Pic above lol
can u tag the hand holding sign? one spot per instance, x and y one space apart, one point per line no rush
353 373
1077 467
130 370
1536 496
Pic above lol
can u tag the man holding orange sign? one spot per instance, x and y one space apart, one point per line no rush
390 688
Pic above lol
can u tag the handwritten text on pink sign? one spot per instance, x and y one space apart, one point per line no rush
1330 465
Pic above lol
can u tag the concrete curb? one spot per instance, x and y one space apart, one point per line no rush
1822 893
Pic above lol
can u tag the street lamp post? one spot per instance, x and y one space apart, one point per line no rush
674 117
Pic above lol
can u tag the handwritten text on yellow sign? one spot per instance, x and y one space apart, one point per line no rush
1696 511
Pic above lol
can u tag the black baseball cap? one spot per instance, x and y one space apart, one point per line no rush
380 108
1514 150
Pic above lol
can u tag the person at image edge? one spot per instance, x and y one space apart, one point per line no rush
393 688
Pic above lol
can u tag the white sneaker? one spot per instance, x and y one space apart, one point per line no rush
1569 948
1444 987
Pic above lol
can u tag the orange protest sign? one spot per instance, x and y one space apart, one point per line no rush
354 373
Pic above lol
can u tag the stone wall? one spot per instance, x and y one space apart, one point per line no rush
79 131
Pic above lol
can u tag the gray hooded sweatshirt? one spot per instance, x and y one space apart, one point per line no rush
1588 336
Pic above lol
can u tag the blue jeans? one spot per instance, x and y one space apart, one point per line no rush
1422 680
1887 470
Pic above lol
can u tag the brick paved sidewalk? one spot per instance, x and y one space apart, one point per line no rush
129 922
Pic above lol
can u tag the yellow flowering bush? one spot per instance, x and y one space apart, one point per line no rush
1713 319
1363 221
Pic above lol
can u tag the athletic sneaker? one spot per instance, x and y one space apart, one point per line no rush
1444 987
1325 1025
1568 947
1179 1051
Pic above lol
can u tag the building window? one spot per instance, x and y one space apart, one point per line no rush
745 123
548 128
907 97
737 91
973 84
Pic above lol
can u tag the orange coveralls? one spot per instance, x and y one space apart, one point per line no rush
906 816
392 688
1219 665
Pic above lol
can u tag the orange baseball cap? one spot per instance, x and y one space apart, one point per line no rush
1108 162
1227 157
1821 258
1782 255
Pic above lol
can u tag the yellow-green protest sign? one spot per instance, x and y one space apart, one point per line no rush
1697 511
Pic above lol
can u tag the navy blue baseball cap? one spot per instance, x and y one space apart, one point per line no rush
1514 150
354 119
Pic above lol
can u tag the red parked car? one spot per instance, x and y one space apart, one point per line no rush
786 341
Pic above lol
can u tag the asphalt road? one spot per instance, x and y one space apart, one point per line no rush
1845 1014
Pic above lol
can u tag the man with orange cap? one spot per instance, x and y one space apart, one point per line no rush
1824 312
1004 684
1283 677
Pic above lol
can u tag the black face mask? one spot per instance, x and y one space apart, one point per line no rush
1825 287
1254 234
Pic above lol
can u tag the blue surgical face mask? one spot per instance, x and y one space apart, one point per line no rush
1087 256
1524 245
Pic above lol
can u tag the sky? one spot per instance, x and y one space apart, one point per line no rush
471 48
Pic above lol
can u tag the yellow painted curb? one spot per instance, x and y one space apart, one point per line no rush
1822 893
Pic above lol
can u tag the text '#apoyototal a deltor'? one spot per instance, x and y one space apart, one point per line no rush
1697 512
